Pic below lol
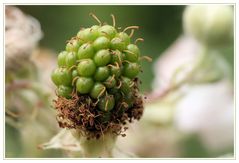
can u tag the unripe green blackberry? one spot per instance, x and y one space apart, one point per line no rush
97 75
61 76
101 73
61 59
108 31
84 85
110 82
126 85
101 43
102 57
74 74
117 44
70 59
97 90
73 45
132 53
85 51
117 56
106 103
88 34
125 37
86 67
131 70
129 99
64 91
115 70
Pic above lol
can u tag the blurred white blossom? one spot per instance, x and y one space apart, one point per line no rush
208 110
22 33
203 108
212 25
183 51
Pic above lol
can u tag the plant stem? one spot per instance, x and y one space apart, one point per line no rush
175 86
95 148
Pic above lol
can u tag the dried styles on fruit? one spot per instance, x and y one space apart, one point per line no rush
96 79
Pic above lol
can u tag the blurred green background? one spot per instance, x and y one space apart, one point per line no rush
159 26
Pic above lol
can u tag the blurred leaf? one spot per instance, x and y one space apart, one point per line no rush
13 145
193 148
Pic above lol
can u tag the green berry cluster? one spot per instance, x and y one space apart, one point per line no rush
100 62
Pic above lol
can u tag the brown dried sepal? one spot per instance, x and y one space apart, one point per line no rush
81 113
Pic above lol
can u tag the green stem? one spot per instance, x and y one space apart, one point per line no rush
175 85
96 148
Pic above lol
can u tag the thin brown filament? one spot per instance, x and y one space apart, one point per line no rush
138 39
113 66
131 27
96 18
117 65
119 58
74 66
96 102
127 51
106 104
131 33
131 85
105 33
112 78
102 133
120 106
112 52
73 81
113 19
78 38
120 84
147 58
12 114
125 104
103 90
127 61
110 65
